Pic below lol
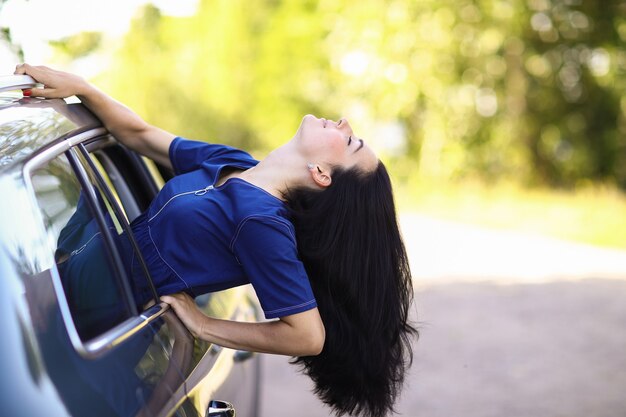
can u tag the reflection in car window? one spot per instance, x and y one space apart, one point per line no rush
91 286
138 281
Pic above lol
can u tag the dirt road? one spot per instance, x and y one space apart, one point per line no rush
511 325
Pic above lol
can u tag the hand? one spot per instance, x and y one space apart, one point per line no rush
57 84
187 311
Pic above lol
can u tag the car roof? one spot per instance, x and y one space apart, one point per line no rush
28 125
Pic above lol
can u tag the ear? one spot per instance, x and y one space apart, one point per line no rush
320 177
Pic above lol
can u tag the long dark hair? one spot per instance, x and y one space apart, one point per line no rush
350 244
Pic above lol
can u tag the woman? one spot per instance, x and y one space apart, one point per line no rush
341 294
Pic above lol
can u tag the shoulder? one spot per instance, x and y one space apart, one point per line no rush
254 206
262 230
180 143
186 154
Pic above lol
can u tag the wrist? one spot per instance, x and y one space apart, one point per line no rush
84 89
201 328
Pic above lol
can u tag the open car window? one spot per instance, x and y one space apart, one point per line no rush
134 180
103 276
138 280
85 262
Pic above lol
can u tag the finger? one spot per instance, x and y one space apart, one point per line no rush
42 92
179 295
36 72
26 69
20 69
172 299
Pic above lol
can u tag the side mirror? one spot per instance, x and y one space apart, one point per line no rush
220 409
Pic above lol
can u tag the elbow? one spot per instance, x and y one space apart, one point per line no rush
316 341
317 347
307 335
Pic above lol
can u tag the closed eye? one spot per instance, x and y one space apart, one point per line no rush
360 145
349 140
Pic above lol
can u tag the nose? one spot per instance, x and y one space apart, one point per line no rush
343 124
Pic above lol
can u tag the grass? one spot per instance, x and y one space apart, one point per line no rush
594 215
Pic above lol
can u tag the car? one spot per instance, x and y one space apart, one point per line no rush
76 340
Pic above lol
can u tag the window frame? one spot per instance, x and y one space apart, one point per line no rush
108 241
106 341
122 218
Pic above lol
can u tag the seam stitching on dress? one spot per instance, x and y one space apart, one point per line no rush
84 246
163 259
168 201
252 217
290 307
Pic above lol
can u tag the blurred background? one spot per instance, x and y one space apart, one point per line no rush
505 113
503 123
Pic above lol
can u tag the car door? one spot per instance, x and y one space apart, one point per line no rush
227 374
106 354
214 373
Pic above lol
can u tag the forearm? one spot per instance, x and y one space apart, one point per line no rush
122 122
127 127
300 334
276 337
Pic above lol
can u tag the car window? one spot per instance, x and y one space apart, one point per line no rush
87 267
135 180
137 280
117 184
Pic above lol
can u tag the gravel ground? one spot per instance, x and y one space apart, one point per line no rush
510 325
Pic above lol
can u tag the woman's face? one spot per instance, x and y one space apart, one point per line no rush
334 143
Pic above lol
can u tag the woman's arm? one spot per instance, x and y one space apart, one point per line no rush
123 123
299 334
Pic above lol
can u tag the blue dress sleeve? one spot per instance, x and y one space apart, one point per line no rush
266 249
188 155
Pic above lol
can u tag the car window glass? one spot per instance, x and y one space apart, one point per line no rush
118 185
137 280
152 168
107 179
83 259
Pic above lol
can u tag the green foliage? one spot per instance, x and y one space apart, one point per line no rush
530 90
78 45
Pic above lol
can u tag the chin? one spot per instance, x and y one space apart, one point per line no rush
307 121
309 117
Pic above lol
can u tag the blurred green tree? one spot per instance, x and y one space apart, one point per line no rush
78 45
528 90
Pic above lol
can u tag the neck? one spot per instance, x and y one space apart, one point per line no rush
282 169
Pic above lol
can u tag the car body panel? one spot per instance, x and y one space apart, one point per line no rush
159 369
117 382
29 125
29 391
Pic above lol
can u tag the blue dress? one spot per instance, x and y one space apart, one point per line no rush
199 238
195 238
